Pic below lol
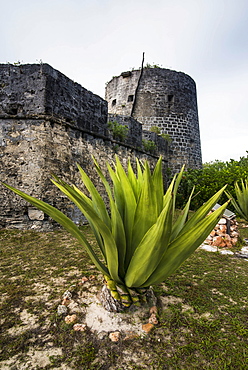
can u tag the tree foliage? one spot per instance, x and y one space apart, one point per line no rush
213 176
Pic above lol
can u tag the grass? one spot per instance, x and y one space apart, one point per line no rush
202 317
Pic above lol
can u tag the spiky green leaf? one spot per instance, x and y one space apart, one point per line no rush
183 246
147 255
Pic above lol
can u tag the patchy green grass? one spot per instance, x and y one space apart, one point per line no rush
202 315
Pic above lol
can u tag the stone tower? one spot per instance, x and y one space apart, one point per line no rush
165 99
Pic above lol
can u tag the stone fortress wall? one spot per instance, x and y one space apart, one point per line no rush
48 123
165 99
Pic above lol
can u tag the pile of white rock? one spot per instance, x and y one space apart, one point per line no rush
225 234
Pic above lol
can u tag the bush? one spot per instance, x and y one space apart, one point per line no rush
209 179
149 146
155 129
119 131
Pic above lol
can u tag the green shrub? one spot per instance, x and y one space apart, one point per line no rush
119 131
155 129
149 145
209 179
149 65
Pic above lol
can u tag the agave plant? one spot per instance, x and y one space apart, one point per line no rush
241 204
140 239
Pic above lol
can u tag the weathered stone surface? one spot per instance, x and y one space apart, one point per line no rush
34 89
102 334
84 280
147 327
153 310
223 228
67 295
69 319
153 319
212 233
66 301
244 250
115 336
35 214
48 123
225 234
218 241
234 241
62 309
222 221
129 335
79 327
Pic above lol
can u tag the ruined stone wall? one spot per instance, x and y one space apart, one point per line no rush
48 123
34 150
38 89
120 93
166 99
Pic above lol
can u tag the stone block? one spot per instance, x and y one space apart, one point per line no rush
35 214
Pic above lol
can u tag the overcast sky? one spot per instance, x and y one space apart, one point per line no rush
92 40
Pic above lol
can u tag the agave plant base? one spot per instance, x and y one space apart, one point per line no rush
118 299
109 302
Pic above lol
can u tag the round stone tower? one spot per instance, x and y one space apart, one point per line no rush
165 99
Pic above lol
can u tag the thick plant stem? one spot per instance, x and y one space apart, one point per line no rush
117 298
109 302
